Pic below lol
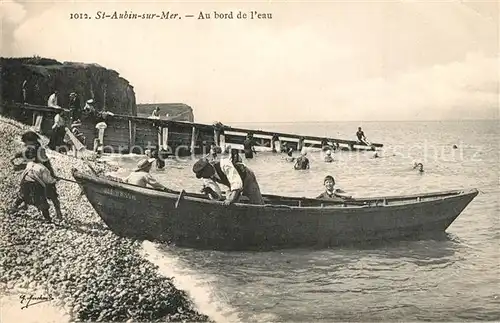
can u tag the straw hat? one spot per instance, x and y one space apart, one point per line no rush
143 163
90 101
199 166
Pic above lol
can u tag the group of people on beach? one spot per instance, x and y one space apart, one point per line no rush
72 116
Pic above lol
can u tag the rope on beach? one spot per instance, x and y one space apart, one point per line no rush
66 179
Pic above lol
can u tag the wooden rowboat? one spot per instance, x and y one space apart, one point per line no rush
191 220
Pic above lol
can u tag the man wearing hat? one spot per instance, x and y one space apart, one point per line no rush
235 175
332 193
140 176
31 141
34 182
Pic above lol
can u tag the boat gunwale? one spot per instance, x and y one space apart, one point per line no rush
340 205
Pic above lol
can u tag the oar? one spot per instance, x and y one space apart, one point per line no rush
181 194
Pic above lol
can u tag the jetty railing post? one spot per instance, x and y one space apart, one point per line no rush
164 142
222 139
131 135
193 140
300 144
216 136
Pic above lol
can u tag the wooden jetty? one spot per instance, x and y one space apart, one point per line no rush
133 134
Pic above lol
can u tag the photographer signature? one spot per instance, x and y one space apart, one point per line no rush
30 300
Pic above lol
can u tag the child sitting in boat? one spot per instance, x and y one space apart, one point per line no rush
332 193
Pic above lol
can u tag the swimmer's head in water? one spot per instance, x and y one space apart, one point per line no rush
419 166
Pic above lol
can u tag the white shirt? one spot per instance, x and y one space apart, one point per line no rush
58 121
231 173
142 178
52 102
35 172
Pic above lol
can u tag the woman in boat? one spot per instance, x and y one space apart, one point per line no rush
302 162
332 193
235 175
141 176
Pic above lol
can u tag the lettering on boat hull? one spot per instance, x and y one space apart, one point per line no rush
117 193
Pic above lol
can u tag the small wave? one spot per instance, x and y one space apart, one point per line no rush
194 284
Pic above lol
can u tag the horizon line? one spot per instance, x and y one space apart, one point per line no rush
360 121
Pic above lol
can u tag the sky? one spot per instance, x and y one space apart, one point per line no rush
313 61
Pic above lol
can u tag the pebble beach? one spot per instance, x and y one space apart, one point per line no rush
87 272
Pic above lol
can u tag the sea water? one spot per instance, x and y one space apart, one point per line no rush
453 278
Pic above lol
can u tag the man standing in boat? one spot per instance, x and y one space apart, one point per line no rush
240 179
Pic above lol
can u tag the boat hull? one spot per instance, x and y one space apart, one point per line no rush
142 213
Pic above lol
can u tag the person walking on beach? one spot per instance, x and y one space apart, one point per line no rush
32 140
34 182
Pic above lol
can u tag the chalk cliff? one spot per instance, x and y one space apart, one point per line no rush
43 76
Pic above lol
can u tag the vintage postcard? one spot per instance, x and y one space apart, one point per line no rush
249 161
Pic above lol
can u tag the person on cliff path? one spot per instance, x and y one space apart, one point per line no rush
52 101
235 175
74 107
32 140
156 113
34 182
